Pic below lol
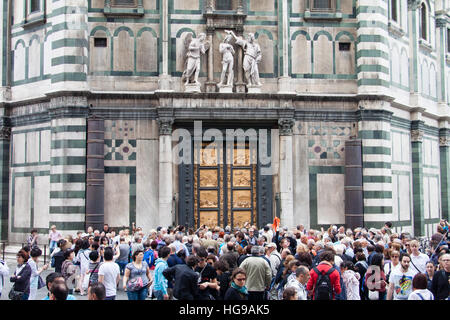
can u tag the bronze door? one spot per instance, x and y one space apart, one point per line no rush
225 188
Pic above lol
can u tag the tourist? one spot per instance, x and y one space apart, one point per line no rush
54 236
440 286
299 282
290 294
124 251
351 280
109 274
418 260
68 269
97 291
35 280
400 285
186 279
161 283
21 278
431 270
237 290
420 291
375 279
259 274
208 286
33 238
325 267
58 291
4 272
137 277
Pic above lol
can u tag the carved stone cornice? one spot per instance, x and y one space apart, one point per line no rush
285 126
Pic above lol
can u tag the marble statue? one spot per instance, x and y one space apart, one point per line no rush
227 51
194 48
252 56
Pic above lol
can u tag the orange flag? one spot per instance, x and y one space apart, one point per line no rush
276 223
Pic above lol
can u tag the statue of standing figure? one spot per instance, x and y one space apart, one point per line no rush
252 56
194 47
227 51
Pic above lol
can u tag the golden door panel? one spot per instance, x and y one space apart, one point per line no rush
208 199
241 178
240 217
242 199
208 177
209 156
241 157
209 218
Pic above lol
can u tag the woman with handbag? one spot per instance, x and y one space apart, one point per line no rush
21 278
137 277
375 279
36 281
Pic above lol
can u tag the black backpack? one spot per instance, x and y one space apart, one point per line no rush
323 289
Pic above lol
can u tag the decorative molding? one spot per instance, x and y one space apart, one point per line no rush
165 126
416 135
413 4
444 141
5 133
286 126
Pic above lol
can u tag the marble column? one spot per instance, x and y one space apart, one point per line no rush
284 81
165 172
165 80
286 176
240 84
5 134
210 85
417 127
444 149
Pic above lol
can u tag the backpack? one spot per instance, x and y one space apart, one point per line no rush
323 289
149 257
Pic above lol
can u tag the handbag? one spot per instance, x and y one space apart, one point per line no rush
135 284
41 283
15 295
374 295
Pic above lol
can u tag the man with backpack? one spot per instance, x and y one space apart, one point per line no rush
324 283
149 255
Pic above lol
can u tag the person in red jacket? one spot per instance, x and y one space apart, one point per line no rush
326 263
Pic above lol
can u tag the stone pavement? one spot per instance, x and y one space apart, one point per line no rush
121 295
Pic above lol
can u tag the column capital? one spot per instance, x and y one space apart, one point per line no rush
413 4
285 126
5 133
165 126
444 137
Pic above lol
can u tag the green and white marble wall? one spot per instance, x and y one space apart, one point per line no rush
374 129
431 180
68 164
319 167
402 193
372 47
29 184
131 173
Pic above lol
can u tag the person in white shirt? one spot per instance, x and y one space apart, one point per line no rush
400 281
274 257
420 288
109 274
299 282
418 260
35 272
4 272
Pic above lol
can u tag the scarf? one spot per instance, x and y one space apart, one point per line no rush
19 268
242 289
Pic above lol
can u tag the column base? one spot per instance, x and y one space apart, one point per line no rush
254 88
240 87
210 86
225 89
192 87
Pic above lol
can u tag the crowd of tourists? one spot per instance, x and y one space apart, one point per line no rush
242 263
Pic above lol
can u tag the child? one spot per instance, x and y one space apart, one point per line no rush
351 280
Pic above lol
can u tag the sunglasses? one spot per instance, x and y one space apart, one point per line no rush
240 279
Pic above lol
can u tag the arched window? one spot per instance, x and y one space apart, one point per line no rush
423 21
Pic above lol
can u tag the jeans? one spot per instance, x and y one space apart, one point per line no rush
53 245
138 295
159 295
111 298
122 265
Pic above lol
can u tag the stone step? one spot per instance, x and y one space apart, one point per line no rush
11 249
